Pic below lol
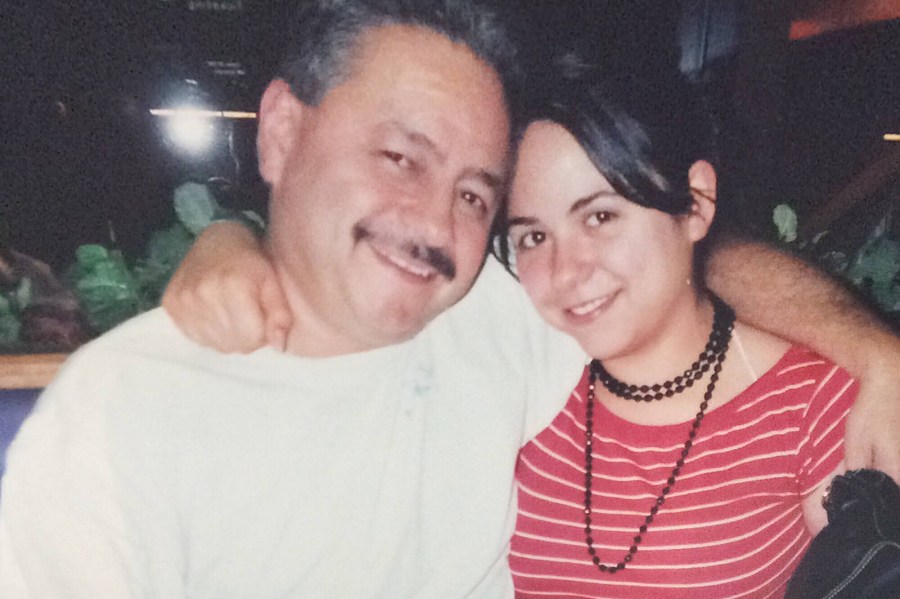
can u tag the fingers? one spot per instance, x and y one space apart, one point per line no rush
222 312
857 450
888 460
276 314
872 438
216 295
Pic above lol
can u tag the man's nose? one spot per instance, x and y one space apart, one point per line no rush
431 213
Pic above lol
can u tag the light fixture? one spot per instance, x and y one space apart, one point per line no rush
892 137
216 114
190 130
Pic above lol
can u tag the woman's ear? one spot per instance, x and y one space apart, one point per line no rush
280 115
702 181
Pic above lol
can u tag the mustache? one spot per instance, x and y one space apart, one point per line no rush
420 252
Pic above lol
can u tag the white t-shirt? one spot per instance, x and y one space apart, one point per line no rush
152 467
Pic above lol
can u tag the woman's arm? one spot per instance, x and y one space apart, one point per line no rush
784 295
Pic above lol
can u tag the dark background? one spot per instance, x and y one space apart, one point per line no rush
82 160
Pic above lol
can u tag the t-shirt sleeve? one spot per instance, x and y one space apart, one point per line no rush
67 516
821 449
549 362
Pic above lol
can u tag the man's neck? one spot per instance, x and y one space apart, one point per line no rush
314 334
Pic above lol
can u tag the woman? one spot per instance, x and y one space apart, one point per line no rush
692 458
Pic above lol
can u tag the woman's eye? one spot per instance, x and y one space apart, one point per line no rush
530 240
596 219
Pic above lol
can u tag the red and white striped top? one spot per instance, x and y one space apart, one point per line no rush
732 525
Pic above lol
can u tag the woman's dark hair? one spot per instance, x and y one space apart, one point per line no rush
642 131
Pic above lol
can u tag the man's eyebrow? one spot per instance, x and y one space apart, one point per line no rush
491 179
416 138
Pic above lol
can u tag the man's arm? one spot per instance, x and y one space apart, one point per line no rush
786 296
217 298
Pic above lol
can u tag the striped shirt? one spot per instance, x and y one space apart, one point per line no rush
732 525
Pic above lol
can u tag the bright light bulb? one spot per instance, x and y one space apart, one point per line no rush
191 130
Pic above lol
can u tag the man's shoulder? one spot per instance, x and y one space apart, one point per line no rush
133 351
143 332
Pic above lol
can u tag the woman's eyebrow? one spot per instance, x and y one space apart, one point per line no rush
521 220
586 200
575 207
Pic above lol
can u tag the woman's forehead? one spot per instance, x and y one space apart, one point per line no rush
552 164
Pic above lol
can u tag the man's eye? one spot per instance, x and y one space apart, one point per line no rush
596 219
475 201
530 240
397 158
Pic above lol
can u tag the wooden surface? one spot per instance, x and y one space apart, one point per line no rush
29 370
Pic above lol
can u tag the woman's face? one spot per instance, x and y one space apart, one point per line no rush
599 267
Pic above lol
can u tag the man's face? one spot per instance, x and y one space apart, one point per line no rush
384 193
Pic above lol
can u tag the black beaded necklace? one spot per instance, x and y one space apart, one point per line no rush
713 356
684 381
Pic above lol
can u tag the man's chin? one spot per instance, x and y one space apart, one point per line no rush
396 323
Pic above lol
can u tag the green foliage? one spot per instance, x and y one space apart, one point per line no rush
110 291
195 206
165 251
785 220
23 294
10 326
104 285
874 269
12 303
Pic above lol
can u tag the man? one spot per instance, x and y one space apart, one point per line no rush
154 468
375 457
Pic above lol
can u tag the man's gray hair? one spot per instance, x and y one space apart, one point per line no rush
326 32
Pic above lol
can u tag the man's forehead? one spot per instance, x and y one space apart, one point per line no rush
441 83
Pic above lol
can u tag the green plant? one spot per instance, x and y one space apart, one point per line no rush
110 291
10 323
100 289
873 268
104 285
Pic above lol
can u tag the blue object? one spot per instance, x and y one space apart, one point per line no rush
15 405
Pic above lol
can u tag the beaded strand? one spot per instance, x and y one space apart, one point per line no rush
723 325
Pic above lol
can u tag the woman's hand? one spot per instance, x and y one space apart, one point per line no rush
225 294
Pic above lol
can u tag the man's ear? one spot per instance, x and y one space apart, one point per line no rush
280 115
702 181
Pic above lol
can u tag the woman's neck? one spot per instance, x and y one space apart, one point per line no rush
671 348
